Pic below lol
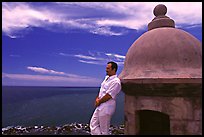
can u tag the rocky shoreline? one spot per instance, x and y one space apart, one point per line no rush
67 129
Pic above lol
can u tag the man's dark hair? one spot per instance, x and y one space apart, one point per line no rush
113 65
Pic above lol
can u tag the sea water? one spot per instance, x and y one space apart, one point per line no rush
52 106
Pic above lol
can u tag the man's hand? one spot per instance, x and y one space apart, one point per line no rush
102 100
97 102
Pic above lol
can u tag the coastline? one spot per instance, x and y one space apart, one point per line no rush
67 129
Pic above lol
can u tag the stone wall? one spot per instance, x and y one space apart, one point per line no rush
185 113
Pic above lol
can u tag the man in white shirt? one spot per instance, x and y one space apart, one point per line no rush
105 102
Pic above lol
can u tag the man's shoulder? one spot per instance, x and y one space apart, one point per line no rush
116 79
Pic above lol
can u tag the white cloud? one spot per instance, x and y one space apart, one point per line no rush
91 62
87 57
105 31
50 78
15 56
58 78
139 14
115 55
63 54
18 16
43 70
99 58
185 12
53 72
132 15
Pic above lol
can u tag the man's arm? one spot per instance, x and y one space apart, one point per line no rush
103 99
115 86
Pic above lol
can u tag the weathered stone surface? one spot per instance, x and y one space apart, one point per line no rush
130 103
186 127
149 103
162 79
130 123
181 108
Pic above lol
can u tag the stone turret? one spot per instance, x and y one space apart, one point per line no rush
162 80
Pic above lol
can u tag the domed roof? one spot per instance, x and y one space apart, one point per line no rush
163 52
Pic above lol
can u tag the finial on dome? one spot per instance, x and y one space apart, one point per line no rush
160 10
160 20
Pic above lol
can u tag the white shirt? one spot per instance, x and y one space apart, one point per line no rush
112 86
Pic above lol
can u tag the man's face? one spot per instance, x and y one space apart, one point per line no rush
109 70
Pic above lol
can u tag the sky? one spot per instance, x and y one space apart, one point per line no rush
70 43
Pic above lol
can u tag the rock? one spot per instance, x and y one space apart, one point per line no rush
68 129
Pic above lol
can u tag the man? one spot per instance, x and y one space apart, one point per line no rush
105 102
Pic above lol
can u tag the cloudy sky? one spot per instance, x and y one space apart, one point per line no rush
69 43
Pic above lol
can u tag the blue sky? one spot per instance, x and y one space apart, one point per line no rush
69 43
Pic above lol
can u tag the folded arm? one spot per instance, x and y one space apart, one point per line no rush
103 99
112 91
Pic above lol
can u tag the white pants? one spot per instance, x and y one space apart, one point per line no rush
100 123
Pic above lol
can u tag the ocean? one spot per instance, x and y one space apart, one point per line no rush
52 106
